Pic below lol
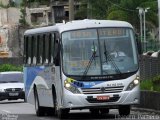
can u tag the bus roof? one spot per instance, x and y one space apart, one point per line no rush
79 24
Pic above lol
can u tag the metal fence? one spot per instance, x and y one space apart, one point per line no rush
149 67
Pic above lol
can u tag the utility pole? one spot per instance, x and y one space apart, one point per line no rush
144 13
71 10
159 22
140 17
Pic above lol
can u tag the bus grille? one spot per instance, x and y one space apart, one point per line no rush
104 90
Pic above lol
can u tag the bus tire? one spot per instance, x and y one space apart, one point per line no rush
62 113
124 110
40 111
94 111
104 110
54 101
50 111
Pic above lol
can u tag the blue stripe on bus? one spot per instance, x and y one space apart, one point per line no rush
30 74
82 84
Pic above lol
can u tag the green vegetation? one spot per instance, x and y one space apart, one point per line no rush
3 6
9 67
119 10
22 19
152 84
146 85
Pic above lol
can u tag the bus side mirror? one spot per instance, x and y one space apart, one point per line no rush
139 45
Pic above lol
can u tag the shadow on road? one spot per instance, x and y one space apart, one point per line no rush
11 101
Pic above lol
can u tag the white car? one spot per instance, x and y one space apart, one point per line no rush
11 86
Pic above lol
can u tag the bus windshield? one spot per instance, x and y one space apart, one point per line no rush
103 51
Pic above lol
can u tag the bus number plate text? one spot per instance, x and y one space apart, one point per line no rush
103 97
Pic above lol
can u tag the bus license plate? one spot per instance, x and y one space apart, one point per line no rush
13 94
103 97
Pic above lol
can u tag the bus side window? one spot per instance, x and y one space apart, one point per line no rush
50 49
38 50
25 54
29 51
46 49
34 48
43 52
56 50
32 43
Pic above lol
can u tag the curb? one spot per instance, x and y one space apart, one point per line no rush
145 110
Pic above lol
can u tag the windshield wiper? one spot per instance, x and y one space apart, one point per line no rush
90 61
109 58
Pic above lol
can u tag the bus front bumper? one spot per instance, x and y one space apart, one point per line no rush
80 101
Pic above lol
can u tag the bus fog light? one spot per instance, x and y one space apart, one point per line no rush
70 104
136 100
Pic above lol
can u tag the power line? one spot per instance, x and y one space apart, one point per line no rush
122 7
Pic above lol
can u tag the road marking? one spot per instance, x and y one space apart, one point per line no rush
6 111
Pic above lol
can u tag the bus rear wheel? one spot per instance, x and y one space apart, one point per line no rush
124 110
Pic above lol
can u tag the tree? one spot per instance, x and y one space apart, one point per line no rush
95 9
126 10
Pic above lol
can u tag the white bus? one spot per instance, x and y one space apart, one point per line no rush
83 64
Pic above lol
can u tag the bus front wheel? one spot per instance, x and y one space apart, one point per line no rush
39 110
104 110
124 110
94 111
63 113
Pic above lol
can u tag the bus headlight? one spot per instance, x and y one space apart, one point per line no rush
134 83
69 86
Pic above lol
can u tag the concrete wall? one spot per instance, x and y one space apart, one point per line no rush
9 31
9 16
14 61
3 16
13 15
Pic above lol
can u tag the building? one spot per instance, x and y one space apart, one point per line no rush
9 21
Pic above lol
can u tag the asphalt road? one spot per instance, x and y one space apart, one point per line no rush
18 110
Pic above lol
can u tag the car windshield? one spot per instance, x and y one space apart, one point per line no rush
102 51
11 78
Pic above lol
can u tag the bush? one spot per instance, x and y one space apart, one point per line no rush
9 67
146 85
152 84
156 80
